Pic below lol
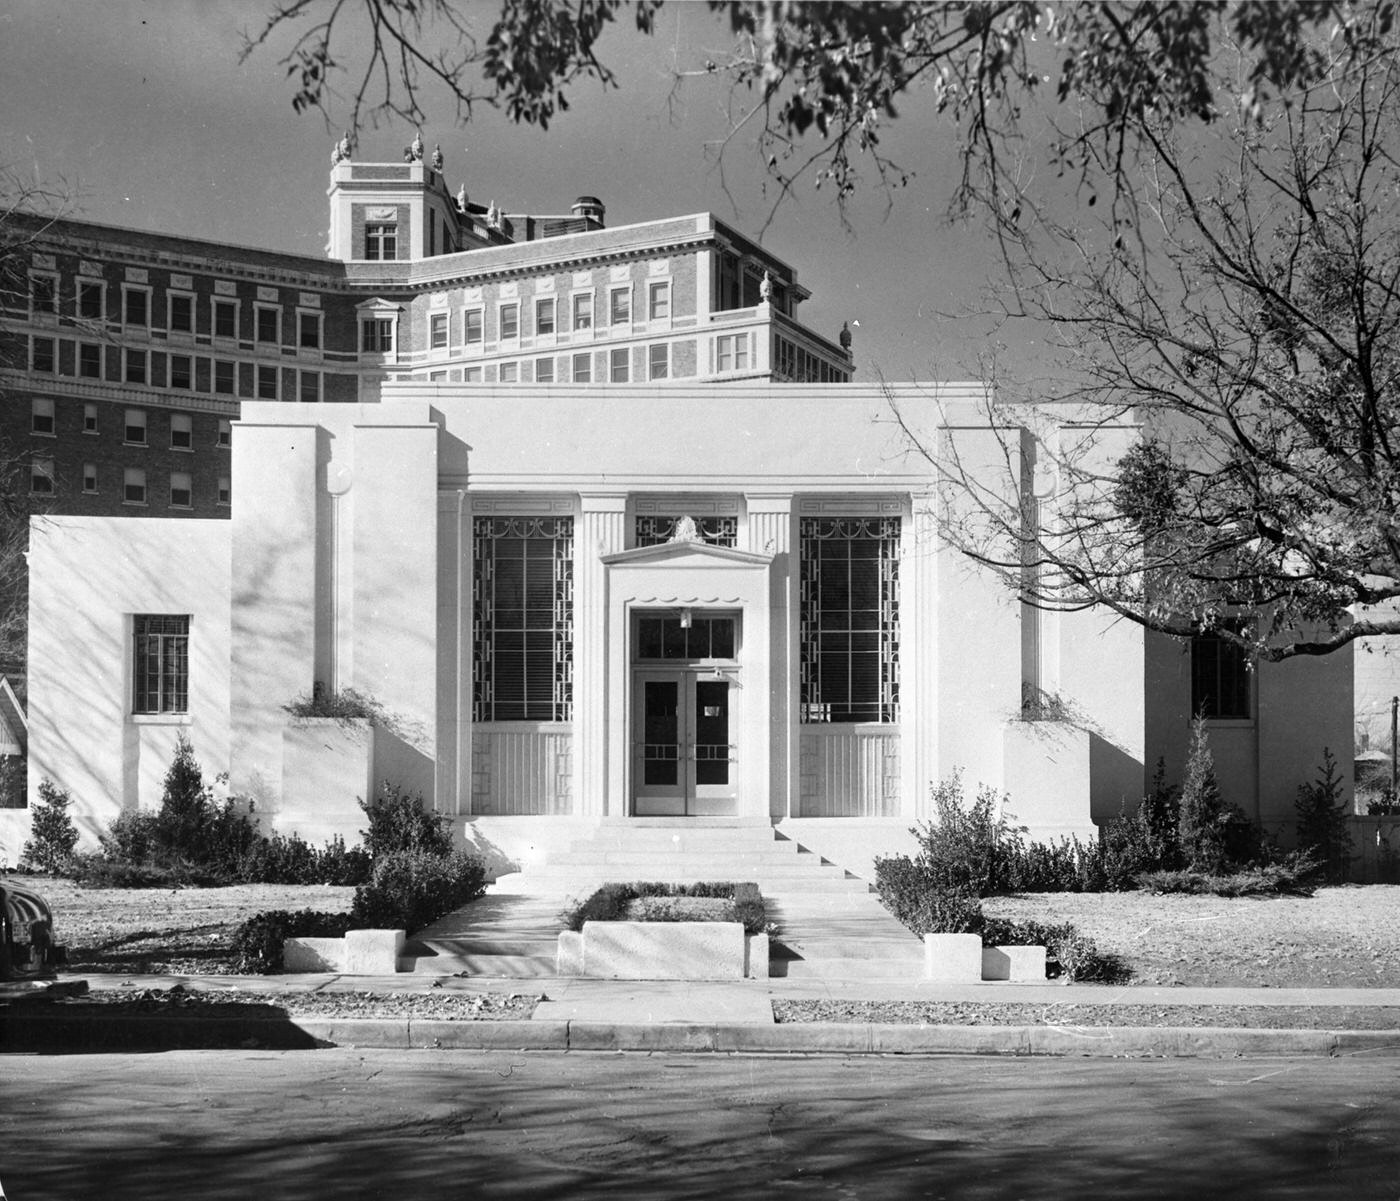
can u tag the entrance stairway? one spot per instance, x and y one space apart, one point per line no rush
830 924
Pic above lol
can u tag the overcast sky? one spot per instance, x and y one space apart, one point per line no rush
142 111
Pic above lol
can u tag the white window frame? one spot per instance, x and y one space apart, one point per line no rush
620 360
474 345
90 419
135 419
90 478
214 377
545 359
727 347
78 361
41 477
552 304
471 375
513 368
583 297
170 297
258 381
176 477
214 304
38 314
131 354
224 435
302 377
259 308
439 322
52 342
376 234
501 335
42 421
662 288
585 358
133 289
613 295
319 319
170 372
182 423
134 477
95 285
665 348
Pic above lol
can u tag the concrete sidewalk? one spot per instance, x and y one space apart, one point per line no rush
685 1016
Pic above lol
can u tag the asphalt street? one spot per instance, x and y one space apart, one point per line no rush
423 1124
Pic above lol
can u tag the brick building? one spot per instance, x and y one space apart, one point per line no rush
125 355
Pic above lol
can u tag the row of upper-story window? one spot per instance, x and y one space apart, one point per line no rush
136 313
552 315
618 368
43 422
184 373
44 482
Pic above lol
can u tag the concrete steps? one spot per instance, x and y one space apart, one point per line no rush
830 924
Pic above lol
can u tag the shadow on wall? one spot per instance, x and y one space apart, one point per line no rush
1116 780
497 859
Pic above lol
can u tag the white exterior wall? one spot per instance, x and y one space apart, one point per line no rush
88 576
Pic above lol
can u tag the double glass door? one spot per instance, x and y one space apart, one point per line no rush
683 752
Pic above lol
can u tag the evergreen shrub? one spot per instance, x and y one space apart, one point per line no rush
258 943
399 822
52 833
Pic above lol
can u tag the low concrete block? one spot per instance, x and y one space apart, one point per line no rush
663 950
756 956
568 958
955 958
373 952
1013 963
313 955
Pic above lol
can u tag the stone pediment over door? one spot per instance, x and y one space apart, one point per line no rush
688 573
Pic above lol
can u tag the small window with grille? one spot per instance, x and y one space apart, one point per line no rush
161 663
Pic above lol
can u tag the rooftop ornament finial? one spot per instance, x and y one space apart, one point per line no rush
845 337
340 153
462 199
437 158
413 152
765 288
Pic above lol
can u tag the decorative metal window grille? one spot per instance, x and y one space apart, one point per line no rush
161 663
654 529
849 619
523 594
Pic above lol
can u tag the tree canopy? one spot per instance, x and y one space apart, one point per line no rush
1198 199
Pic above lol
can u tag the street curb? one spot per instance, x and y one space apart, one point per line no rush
74 1033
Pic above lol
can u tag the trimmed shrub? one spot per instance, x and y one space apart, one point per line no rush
905 890
52 833
1290 876
410 889
258 943
611 902
1321 828
399 822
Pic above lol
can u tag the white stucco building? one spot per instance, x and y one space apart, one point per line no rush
671 564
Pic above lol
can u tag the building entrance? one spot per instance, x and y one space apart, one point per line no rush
684 760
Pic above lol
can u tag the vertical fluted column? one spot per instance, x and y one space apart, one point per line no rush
770 532
599 699
918 680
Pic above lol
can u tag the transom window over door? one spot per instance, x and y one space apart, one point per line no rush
715 529
849 627
523 648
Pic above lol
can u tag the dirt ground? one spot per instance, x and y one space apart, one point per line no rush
1347 936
